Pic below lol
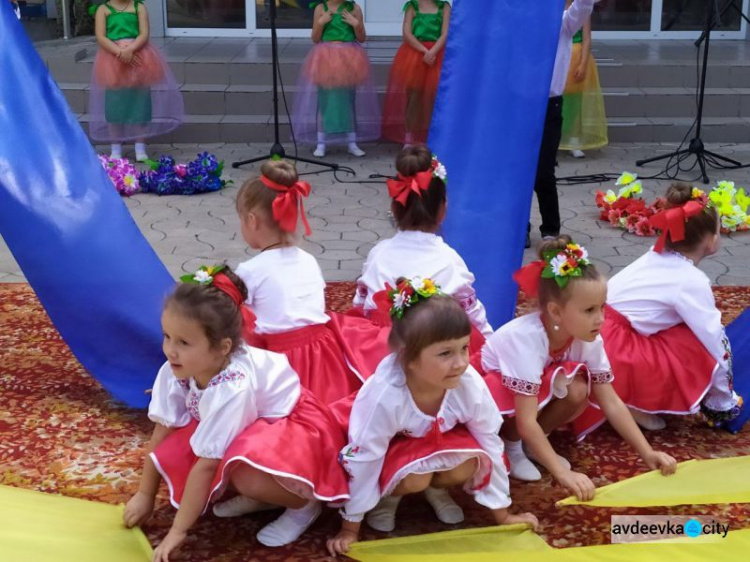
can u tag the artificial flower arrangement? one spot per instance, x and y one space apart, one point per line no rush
732 205
409 292
562 265
166 177
626 209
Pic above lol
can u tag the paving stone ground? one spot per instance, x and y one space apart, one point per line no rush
349 217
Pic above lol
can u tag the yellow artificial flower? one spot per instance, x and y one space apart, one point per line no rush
566 269
429 287
610 196
697 193
722 200
626 178
742 200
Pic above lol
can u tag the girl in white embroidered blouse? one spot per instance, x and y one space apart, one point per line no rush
542 368
205 403
424 422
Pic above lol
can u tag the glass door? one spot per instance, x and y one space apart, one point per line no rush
205 17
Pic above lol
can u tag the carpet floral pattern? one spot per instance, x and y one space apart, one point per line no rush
61 433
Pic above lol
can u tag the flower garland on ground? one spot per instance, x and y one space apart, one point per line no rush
166 177
626 210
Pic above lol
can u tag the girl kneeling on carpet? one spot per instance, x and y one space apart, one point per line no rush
286 289
663 332
221 409
542 367
424 422
419 205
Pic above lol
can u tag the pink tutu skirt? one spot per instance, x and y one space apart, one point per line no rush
128 102
336 95
300 451
318 359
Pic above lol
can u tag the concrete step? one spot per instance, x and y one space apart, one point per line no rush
259 128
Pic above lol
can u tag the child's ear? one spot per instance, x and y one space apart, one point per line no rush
225 346
554 312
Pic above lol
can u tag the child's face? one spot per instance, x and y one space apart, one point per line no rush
188 349
582 314
442 364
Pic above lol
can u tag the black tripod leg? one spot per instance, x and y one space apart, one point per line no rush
702 163
251 160
664 157
724 158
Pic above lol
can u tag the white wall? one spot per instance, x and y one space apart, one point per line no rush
384 11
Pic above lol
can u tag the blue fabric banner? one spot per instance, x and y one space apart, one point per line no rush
75 241
738 333
487 129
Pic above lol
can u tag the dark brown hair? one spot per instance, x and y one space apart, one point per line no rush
420 212
212 308
254 195
697 227
439 318
549 290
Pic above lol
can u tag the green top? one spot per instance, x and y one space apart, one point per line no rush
578 37
122 25
426 27
337 29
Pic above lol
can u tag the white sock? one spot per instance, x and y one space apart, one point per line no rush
354 150
240 505
291 524
383 516
521 467
116 151
447 510
648 421
140 151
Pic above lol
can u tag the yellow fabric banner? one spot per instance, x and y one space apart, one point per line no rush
696 482
36 527
495 541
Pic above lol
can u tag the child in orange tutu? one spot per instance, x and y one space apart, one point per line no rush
542 368
221 408
415 74
424 423
336 102
133 93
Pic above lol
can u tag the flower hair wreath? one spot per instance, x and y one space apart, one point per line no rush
410 292
438 169
561 265
204 275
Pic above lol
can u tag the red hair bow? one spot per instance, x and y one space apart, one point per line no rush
285 205
529 277
225 285
672 221
400 188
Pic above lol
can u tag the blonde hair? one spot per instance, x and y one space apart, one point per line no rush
255 196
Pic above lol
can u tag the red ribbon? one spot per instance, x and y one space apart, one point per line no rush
529 277
285 205
400 188
672 221
225 285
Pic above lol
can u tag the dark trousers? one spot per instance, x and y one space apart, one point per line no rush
545 185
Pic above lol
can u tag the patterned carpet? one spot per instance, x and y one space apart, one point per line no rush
61 433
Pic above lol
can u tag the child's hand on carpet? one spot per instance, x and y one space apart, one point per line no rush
170 542
578 484
138 510
662 461
513 519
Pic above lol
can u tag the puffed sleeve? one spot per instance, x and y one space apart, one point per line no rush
363 283
225 410
484 422
168 406
515 353
372 424
278 387
696 306
595 358
245 272
467 296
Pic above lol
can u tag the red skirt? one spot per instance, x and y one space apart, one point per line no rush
112 74
315 354
665 373
364 340
300 451
410 99
556 377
